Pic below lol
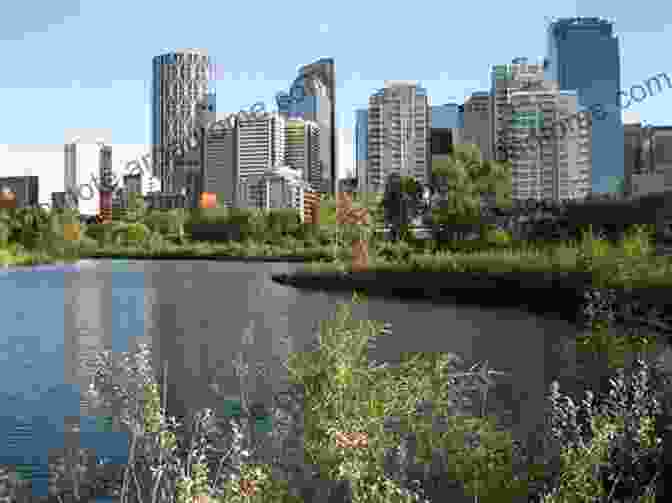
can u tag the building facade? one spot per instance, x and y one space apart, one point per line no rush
179 84
302 150
312 96
478 123
25 189
261 144
398 134
361 141
221 173
548 162
279 187
70 174
647 159
583 55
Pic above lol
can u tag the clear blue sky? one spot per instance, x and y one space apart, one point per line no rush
71 66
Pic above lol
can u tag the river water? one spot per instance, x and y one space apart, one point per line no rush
196 313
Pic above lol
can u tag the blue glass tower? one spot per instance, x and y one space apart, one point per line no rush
583 55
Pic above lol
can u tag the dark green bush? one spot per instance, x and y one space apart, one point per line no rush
99 232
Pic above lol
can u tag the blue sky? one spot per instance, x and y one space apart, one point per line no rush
83 68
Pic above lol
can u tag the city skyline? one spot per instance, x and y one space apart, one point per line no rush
113 89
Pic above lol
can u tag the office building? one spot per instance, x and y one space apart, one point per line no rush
221 166
361 148
179 83
312 97
647 159
583 55
70 174
398 134
25 189
302 150
477 117
278 187
261 143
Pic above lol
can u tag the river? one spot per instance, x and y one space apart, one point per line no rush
195 314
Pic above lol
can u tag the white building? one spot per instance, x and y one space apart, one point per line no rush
398 134
261 143
278 187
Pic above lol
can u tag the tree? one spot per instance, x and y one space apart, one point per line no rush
464 182
402 202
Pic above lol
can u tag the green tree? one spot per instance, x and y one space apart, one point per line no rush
402 202
465 185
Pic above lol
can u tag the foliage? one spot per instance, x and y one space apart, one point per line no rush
402 202
463 180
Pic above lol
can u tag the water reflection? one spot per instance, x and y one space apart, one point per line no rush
199 316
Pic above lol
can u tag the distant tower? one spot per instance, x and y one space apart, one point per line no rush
583 56
70 175
312 96
105 173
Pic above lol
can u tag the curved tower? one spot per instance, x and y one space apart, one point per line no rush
179 83
312 97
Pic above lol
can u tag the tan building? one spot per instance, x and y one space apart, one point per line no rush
537 127
398 134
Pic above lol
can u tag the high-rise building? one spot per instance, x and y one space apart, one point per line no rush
261 143
302 150
312 96
221 166
361 148
398 134
527 110
25 189
478 123
70 174
105 177
180 83
583 55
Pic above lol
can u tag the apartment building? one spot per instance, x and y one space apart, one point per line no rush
302 150
398 134
549 160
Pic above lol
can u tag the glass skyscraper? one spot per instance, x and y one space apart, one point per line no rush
312 96
361 147
583 55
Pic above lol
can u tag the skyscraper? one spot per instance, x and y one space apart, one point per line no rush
527 110
312 96
478 123
361 148
583 55
179 84
261 146
398 133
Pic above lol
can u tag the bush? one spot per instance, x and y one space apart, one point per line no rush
137 233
